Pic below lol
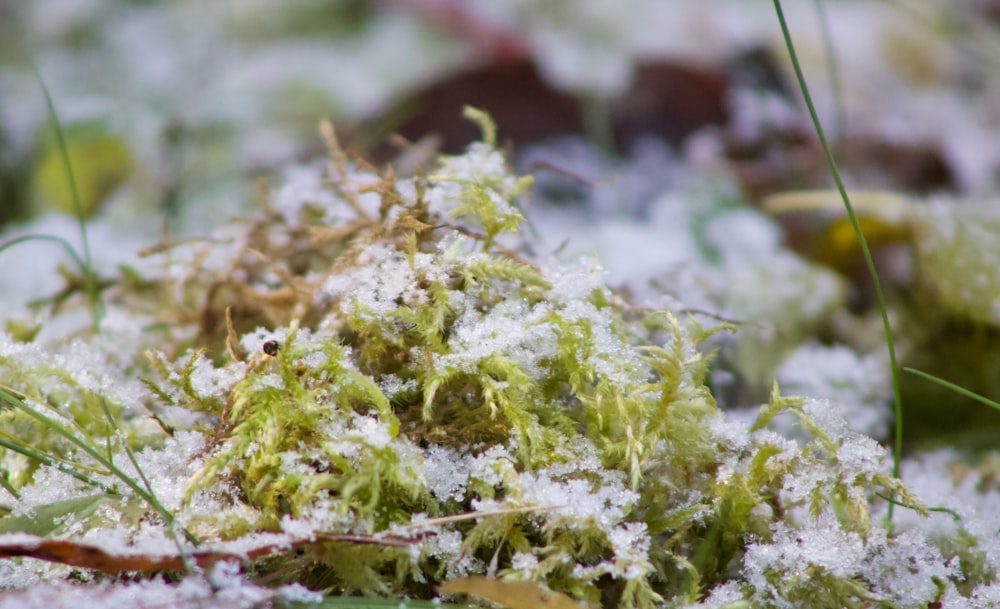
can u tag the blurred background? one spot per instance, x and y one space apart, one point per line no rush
658 131
173 108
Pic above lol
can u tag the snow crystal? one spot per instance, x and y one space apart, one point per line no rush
209 381
728 593
512 329
375 293
224 587
447 471
19 539
253 342
525 563
826 418
603 504
444 473
630 543
89 367
352 437
321 515
820 543
172 465
391 385
906 568
374 431
270 380
984 596
729 431
857 386
48 485
449 546
861 456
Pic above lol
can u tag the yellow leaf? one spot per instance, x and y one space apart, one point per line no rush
511 594
100 162
821 228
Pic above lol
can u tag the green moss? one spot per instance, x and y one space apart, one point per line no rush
416 376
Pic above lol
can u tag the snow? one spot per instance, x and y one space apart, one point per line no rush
819 544
855 386
224 587
511 329
447 471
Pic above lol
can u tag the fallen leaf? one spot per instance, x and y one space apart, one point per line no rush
817 226
512 594
88 556
670 100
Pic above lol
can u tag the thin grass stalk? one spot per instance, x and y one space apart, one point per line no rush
897 451
956 388
90 281
65 244
128 450
63 467
832 70
149 497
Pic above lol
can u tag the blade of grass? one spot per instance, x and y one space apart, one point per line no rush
90 281
939 510
63 467
95 453
7 486
65 244
897 451
833 71
128 450
956 388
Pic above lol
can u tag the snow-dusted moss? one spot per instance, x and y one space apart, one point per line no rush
377 356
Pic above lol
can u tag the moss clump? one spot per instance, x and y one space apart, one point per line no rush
414 375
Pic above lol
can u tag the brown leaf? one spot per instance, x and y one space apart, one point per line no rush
87 556
667 99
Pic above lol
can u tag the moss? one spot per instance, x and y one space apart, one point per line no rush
417 376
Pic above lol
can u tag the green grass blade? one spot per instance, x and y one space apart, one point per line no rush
6 485
128 450
833 71
65 245
95 453
956 388
939 510
90 281
63 467
897 451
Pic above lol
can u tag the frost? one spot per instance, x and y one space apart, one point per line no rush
525 564
445 477
856 386
907 569
303 187
797 555
224 587
577 498
210 381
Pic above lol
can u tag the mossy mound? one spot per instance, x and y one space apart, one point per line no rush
376 357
